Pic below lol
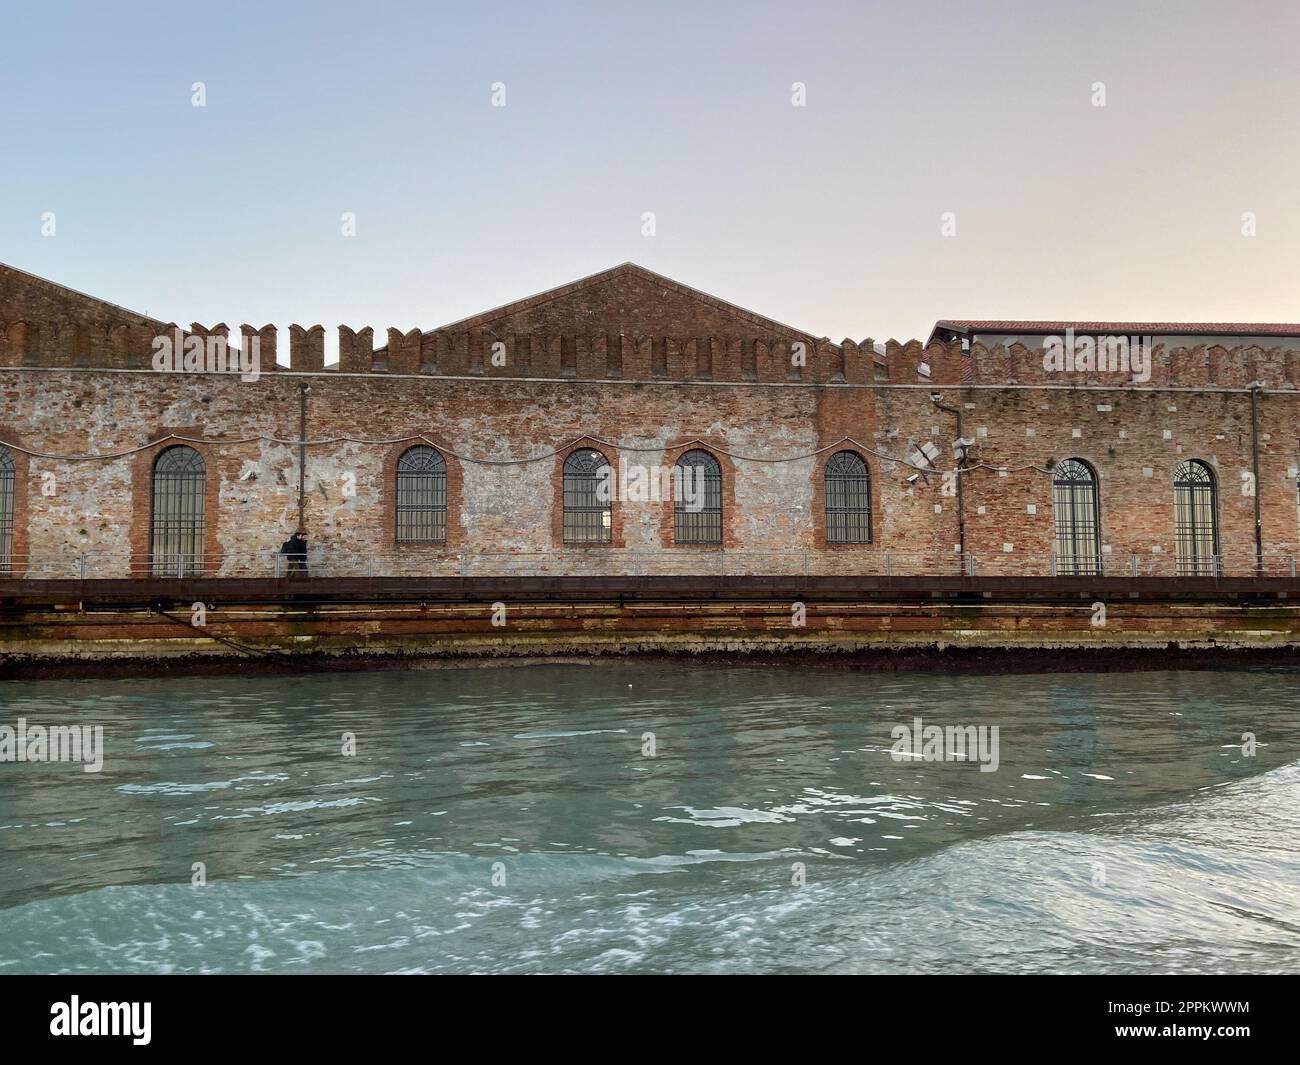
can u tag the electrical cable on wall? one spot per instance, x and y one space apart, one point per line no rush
332 441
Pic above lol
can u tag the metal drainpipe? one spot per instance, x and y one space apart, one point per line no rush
303 389
961 494
1254 462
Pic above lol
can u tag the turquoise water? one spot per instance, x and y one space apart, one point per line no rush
506 819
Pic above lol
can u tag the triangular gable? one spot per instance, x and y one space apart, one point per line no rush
27 295
627 299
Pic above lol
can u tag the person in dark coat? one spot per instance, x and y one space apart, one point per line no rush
295 550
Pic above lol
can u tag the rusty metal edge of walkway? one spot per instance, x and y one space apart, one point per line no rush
21 594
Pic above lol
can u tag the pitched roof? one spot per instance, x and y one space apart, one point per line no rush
530 302
63 290
1230 329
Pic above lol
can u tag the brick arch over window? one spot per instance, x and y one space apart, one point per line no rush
587 498
14 472
844 506
453 498
1076 510
177 506
421 496
1196 519
697 499
578 459
142 499
668 525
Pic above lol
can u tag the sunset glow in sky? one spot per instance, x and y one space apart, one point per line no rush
827 216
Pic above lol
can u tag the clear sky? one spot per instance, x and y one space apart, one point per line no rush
827 216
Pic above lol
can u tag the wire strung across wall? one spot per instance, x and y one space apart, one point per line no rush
331 441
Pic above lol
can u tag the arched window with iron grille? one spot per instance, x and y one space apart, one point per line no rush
1078 528
848 499
6 511
176 513
697 499
421 497
1196 522
588 498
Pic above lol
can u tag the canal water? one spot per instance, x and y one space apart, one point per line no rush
651 817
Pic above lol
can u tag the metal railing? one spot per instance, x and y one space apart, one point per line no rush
324 561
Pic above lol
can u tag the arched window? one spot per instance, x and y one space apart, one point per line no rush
1078 532
848 499
588 499
6 510
421 497
1196 524
697 499
176 516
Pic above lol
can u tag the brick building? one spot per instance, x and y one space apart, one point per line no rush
485 445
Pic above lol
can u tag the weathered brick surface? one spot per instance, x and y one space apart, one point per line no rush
45 324
638 367
772 442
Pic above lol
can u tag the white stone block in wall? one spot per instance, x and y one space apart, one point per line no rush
1008 548
1076 434
1032 508
1169 434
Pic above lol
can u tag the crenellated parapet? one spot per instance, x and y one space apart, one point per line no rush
484 353
585 357
117 345
594 357
1137 364
631 324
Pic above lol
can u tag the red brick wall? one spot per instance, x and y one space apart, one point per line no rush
772 510
652 365
42 323
627 300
